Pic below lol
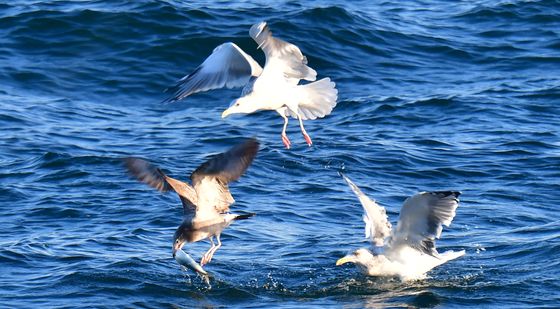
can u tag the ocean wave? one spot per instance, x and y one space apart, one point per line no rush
432 96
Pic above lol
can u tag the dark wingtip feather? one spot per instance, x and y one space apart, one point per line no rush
178 92
247 149
147 173
252 146
169 100
245 216
229 165
447 193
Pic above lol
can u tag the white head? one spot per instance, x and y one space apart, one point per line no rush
243 105
361 257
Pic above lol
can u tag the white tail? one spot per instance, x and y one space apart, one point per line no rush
317 99
451 255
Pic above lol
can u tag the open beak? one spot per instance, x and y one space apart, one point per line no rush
344 260
176 247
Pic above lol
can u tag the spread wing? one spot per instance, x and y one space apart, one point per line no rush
155 178
281 57
422 217
378 226
227 66
210 180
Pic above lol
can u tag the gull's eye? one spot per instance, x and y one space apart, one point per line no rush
236 104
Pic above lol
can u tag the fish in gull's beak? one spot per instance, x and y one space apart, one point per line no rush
184 259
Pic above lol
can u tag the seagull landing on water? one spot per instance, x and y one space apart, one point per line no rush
206 202
409 251
274 87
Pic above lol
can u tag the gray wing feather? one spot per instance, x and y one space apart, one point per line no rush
156 178
248 88
227 66
295 63
210 180
377 226
422 217
147 173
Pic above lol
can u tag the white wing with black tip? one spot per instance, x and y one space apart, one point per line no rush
421 219
281 57
377 226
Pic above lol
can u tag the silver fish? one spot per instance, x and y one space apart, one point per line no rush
187 261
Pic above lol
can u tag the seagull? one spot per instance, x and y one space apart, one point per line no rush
409 251
206 202
274 87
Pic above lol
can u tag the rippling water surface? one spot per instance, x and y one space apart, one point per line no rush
432 95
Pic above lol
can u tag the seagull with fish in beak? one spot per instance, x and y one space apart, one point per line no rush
206 202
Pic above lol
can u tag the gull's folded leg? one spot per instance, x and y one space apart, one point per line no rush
286 141
305 135
215 248
285 138
205 258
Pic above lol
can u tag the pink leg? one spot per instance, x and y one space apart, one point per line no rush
286 141
307 138
285 138
305 135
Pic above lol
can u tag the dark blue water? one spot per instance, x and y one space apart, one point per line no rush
432 95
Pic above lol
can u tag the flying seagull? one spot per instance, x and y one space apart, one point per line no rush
206 202
274 87
409 250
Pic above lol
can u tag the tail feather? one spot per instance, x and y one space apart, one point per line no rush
244 216
451 255
317 99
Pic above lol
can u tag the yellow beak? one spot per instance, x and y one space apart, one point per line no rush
344 260
226 113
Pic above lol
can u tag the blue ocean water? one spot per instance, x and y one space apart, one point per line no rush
433 95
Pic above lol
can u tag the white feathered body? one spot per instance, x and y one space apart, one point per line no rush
310 101
276 86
